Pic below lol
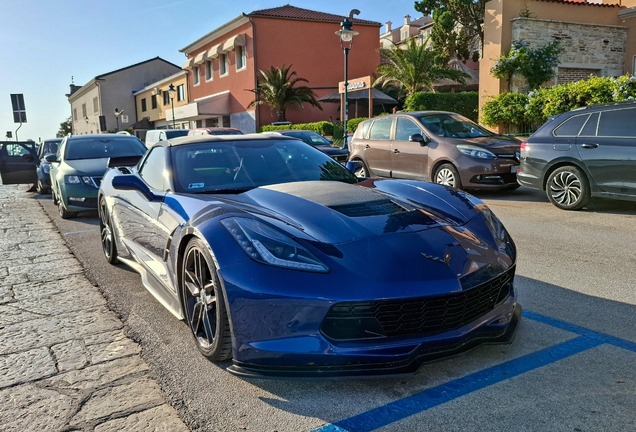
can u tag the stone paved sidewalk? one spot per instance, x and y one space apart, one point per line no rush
65 361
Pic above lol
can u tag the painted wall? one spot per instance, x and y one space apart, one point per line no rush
159 114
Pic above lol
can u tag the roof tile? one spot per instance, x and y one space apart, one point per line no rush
292 12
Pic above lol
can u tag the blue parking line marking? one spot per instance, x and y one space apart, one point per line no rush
430 398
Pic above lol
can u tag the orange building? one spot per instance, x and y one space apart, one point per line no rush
223 65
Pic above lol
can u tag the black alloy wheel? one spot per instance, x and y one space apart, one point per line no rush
447 175
106 233
568 188
203 304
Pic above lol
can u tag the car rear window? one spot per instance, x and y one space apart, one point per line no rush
97 148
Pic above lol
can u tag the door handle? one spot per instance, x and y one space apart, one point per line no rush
589 146
367 146
396 151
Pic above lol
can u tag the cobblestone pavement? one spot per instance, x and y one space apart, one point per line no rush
65 361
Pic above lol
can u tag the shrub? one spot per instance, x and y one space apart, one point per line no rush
322 127
465 103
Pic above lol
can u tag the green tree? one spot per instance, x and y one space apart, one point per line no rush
415 67
535 64
66 127
446 35
277 88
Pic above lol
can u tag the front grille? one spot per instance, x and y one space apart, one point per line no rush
415 316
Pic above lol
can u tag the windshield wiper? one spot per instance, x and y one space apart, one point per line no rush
225 191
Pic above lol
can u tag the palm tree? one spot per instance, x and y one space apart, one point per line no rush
415 67
276 89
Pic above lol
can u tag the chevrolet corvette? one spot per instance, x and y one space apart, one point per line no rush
281 260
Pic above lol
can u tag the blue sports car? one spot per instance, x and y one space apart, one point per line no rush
278 258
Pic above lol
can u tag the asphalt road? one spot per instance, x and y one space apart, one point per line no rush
570 368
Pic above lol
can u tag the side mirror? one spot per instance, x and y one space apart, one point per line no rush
354 166
131 182
420 139
50 158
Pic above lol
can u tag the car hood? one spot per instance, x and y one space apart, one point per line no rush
335 212
501 145
91 167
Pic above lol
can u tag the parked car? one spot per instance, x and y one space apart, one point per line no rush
437 146
584 153
49 146
156 135
318 141
18 161
215 131
278 257
79 164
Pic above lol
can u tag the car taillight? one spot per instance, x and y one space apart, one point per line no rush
524 146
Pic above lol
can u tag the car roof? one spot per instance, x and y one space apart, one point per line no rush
196 139
101 136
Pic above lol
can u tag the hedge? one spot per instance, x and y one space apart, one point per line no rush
464 103
322 127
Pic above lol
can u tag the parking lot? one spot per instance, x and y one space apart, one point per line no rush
570 368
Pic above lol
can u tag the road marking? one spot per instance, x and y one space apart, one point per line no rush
429 398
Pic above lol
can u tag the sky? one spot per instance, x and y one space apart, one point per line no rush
44 44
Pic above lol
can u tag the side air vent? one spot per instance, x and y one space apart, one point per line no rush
373 208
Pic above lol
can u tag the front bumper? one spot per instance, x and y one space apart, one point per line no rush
78 198
488 174
500 330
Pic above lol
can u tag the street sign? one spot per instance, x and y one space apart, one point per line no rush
19 110
124 118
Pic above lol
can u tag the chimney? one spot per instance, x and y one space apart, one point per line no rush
407 20
388 26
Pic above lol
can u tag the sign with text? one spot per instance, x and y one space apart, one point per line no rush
19 110
363 83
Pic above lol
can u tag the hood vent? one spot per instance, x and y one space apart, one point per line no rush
374 208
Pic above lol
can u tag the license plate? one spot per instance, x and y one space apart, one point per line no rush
513 169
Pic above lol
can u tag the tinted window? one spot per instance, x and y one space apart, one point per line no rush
310 138
405 128
381 129
618 123
173 133
572 126
154 167
243 165
107 147
590 127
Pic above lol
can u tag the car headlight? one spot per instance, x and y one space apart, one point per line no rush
73 179
46 168
475 152
270 246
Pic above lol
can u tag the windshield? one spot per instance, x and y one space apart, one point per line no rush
107 147
235 166
452 126
49 147
310 138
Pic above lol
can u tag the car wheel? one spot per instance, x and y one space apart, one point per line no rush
363 171
41 188
64 214
54 196
447 175
108 239
568 188
202 300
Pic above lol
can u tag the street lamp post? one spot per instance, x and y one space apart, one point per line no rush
171 91
117 113
346 42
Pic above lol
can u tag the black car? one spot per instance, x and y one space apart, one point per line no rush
584 153
318 141
18 160
49 146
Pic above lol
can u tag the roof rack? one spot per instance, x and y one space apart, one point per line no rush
604 105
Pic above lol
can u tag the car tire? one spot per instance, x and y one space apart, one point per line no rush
64 214
363 171
42 189
106 233
568 188
203 302
447 175
54 196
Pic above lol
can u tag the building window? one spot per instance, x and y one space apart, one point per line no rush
166 97
153 101
224 66
208 70
95 105
143 105
84 110
74 114
241 58
196 75
405 35
180 92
